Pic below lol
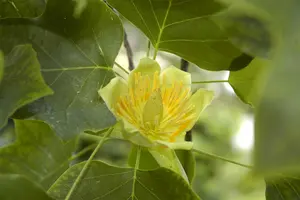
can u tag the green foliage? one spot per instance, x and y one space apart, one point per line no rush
55 55
248 28
22 81
75 58
14 187
1 66
107 182
18 8
246 82
284 188
184 28
147 162
188 162
278 113
37 153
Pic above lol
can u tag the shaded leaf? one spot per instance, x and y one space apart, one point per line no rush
248 28
37 153
7 134
246 82
75 57
13 187
188 163
184 28
118 183
283 189
22 81
240 62
21 8
147 162
1 66
278 113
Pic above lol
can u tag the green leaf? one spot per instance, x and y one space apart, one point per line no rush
240 62
7 134
13 187
184 28
37 153
188 163
147 162
283 189
22 81
278 113
76 55
248 28
19 8
1 66
246 82
107 182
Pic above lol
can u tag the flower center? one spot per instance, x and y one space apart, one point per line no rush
159 111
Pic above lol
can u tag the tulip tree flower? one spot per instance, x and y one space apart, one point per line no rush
156 108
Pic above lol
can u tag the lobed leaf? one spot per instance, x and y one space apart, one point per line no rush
37 153
107 182
184 28
76 53
246 82
22 81
14 187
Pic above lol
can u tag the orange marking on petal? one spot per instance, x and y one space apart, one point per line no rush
179 130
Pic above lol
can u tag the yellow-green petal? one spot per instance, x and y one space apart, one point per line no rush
147 67
201 99
112 91
167 158
172 74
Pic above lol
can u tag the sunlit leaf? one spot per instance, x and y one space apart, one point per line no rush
20 8
76 55
107 182
283 189
22 81
246 82
182 27
13 187
37 153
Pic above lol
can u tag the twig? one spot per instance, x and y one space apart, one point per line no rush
184 67
129 52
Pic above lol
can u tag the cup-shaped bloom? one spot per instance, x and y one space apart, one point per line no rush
156 107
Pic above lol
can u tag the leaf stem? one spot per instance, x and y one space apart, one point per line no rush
122 68
82 152
213 81
86 166
136 167
161 30
222 158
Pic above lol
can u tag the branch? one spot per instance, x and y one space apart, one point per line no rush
184 67
129 52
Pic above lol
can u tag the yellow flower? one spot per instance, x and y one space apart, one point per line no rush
156 108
